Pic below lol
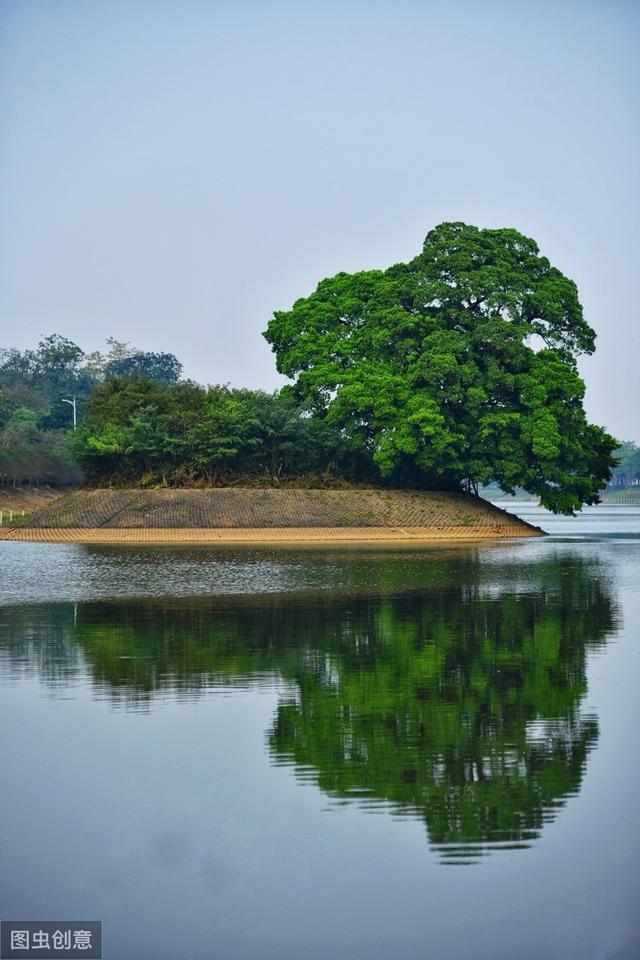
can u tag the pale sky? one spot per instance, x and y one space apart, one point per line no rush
172 172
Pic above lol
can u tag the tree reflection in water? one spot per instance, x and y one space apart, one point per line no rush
459 703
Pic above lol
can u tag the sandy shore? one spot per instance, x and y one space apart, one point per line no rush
270 535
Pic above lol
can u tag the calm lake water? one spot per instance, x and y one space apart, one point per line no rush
348 753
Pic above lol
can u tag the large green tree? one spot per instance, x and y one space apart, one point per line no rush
455 369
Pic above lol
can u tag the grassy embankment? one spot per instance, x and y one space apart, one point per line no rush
236 515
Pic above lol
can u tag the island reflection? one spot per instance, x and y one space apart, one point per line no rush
460 703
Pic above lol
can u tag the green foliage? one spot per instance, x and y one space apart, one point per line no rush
627 471
161 367
34 421
137 430
33 443
455 369
31 455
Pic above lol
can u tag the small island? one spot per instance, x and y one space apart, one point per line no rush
410 389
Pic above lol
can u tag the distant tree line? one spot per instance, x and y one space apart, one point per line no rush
627 472
35 444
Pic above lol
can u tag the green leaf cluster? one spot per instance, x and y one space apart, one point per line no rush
34 421
137 430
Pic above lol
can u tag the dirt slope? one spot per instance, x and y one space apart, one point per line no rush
269 510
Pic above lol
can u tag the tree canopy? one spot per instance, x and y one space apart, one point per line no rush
455 369
137 430
161 367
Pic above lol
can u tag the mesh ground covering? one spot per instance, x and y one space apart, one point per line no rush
239 513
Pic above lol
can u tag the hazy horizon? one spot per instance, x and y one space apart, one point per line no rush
174 172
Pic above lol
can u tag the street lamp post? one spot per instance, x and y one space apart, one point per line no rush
72 403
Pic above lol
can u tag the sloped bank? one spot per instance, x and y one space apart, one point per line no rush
265 515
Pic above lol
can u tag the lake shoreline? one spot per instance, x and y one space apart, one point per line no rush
266 515
266 536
